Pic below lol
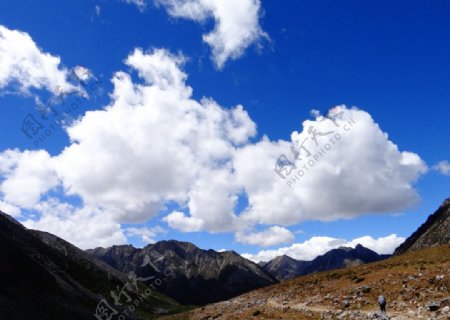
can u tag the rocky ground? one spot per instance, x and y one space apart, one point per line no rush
416 286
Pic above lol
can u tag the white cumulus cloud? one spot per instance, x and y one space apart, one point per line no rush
84 227
146 234
236 24
10 209
24 64
27 176
443 167
269 237
82 73
351 169
155 145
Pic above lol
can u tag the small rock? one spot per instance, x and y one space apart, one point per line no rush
433 306
346 303
256 313
366 289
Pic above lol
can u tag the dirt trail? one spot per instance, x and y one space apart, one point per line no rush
299 306
321 309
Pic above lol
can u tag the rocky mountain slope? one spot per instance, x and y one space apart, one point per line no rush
435 231
45 277
416 286
285 267
199 276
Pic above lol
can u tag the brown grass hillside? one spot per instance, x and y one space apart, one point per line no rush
409 282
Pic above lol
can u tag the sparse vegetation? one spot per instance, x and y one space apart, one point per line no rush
403 280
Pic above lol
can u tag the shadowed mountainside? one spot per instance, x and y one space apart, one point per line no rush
45 277
200 276
284 267
435 231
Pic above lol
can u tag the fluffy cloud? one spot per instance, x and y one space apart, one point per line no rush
178 220
236 24
82 73
84 227
443 167
155 146
27 175
269 237
316 246
352 168
212 199
23 64
12 210
146 234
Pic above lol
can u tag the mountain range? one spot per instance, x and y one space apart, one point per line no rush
45 277
415 286
199 276
207 276
414 281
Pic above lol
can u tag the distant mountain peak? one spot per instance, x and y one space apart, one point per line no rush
284 257
284 267
172 244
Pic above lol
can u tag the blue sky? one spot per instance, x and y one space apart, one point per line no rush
387 58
